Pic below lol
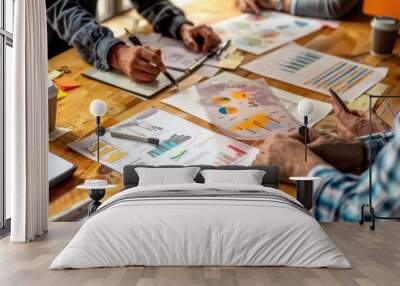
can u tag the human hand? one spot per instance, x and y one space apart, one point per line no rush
199 39
354 123
141 64
343 154
249 6
287 152
255 6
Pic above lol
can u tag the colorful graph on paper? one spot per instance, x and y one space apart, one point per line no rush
169 144
245 109
316 71
182 143
259 34
229 156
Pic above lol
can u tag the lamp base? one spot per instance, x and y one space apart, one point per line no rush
304 193
304 190
96 195
100 130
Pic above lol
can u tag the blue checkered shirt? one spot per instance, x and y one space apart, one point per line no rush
339 196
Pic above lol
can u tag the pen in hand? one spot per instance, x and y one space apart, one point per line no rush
136 42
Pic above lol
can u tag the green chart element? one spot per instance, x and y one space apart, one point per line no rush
249 41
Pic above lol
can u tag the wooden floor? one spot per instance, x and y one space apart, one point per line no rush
374 255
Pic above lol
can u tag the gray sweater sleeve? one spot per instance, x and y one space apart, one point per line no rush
78 27
326 9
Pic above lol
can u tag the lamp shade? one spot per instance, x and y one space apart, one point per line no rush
385 8
305 107
98 107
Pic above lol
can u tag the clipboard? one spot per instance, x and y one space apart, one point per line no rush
144 90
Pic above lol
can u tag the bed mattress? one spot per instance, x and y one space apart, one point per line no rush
201 225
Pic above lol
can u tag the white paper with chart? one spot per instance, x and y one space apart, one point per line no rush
188 100
181 143
245 109
317 71
174 53
259 34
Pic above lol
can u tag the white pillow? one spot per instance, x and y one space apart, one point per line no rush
166 176
244 177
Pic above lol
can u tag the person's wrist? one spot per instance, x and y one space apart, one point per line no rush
115 54
287 6
363 162
358 158
184 28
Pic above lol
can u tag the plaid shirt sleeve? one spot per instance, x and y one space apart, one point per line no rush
340 196
379 140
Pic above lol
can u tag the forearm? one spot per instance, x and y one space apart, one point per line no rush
78 27
328 9
163 15
340 196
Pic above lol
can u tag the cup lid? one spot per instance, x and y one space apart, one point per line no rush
385 24
52 89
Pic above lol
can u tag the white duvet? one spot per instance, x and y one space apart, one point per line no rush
200 231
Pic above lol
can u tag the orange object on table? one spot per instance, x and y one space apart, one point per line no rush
65 83
387 8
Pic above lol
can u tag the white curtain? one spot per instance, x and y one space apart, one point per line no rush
26 123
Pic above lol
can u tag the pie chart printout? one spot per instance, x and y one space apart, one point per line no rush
246 110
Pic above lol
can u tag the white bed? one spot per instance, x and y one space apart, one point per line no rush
221 225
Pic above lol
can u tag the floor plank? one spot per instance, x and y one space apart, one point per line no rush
374 255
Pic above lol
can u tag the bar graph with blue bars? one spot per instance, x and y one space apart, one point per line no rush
169 144
341 76
299 61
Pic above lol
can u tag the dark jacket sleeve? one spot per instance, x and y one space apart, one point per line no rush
163 15
327 9
79 28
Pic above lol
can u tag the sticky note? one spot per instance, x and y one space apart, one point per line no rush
378 89
61 94
361 103
231 62
54 74
66 83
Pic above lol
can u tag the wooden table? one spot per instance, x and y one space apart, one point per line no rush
350 40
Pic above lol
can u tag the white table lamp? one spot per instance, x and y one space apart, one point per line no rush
98 108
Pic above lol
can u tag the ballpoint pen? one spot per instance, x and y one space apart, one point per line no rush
200 62
339 100
222 49
136 42
150 140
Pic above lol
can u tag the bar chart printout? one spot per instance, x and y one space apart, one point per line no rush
230 155
316 71
169 144
181 143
